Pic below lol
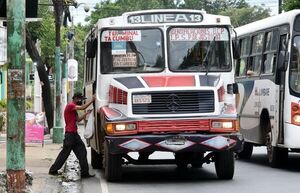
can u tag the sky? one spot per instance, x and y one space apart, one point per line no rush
79 14
272 4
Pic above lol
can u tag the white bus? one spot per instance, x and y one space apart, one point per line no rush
268 77
164 81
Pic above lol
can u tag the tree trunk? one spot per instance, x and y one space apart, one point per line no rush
43 75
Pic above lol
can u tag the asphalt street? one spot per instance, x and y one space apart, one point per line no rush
252 176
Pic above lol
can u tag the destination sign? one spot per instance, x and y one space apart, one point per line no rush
165 18
199 34
121 35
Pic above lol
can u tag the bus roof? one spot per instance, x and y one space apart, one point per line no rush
277 20
123 20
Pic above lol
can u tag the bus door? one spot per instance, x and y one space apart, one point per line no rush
247 75
267 89
280 80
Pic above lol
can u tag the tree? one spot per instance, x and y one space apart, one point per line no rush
242 16
32 34
45 32
109 8
80 33
214 7
239 10
291 4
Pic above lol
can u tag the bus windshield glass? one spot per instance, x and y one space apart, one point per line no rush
295 65
131 51
197 49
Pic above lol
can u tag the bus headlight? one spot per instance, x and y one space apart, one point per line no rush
125 127
120 127
222 124
227 125
296 118
112 128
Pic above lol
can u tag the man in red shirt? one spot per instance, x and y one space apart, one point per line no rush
72 140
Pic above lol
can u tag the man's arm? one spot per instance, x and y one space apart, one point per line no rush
84 115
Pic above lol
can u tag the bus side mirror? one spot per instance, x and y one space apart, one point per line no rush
282 61
232 88
236 50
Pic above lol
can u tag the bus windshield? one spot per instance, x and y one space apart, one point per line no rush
295 65
131 51
199 49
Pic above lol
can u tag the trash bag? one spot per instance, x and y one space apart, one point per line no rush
90 127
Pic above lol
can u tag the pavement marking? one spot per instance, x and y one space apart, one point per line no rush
103 184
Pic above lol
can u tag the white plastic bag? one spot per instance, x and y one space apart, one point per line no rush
90 128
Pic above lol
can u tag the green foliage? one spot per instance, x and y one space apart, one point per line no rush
291 4
80 33
2 122
214 7
239 10
28 105
111 8
242 16
3 104
45 31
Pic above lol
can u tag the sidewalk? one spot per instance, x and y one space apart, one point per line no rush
38 160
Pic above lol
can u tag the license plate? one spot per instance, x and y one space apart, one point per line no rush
141 99
175 141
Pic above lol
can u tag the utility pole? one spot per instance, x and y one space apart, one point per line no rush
58 130
15 149
71 56
279 6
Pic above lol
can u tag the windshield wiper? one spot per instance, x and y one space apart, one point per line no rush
211 46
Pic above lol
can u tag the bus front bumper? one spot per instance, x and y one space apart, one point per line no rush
175 143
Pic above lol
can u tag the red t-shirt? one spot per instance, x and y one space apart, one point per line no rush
70 115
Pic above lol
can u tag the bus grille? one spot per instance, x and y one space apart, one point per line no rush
177 102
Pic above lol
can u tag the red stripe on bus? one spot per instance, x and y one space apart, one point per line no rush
169 81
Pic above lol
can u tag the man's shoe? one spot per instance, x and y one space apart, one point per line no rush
54 173
87 175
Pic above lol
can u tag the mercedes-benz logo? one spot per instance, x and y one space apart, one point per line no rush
173 102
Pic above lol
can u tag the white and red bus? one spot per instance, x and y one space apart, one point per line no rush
164 81
268 77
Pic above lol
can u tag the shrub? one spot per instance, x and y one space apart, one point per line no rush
3 105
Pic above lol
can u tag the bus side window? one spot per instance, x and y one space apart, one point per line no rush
242 62
256 57
295 65
270 52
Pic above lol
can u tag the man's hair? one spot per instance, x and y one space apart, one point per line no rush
78 95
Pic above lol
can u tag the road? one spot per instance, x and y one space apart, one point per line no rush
252 176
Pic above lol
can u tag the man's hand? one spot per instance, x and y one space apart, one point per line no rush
89 111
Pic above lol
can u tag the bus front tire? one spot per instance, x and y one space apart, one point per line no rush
112 165
182 160
224 164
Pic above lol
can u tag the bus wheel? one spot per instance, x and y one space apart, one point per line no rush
181 160
224 164
197 160
96 159
246 153
112 165
277 156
